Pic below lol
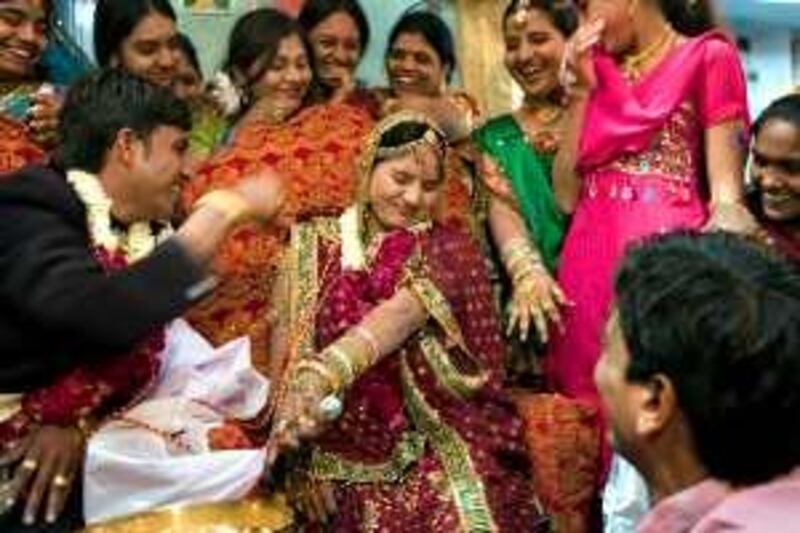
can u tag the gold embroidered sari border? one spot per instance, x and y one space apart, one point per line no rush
407 452
436 305
465 483
456 382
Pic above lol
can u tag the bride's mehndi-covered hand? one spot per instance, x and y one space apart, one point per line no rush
300 416
314 498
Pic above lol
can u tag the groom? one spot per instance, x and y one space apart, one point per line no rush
89 277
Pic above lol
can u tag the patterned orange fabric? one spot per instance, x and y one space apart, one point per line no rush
317 152
563 439
459 188
16 148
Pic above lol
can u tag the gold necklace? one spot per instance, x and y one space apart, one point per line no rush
544 136
543 114
632 64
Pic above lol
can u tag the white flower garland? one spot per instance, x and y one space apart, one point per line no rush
135 243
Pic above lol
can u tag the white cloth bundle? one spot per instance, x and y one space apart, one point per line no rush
131 468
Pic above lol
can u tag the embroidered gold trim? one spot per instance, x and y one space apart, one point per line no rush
304 290
437 306
456 382
465 483
329 466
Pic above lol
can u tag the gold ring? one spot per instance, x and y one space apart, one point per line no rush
60 481
30 464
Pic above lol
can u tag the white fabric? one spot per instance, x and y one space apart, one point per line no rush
625 498
131 469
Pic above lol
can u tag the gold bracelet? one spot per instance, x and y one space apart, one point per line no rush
340 359
369 338
230 204
361 352
514 247
321 369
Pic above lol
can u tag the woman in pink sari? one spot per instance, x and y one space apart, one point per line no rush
388 356
656 118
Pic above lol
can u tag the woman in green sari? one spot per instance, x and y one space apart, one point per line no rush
518 150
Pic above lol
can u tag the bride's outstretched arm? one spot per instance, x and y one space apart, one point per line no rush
382 331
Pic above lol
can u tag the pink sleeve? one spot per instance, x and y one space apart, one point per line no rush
722 91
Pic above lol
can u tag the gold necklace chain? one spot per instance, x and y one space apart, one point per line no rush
543 114
632 64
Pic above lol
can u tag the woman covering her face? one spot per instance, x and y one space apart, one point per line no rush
313 146
388 357
632 164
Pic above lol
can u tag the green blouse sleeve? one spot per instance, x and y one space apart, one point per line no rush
530 175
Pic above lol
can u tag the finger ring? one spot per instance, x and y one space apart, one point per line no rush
29 464
330 408
281 426
60 481
305 421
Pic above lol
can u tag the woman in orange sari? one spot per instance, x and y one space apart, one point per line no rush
27 110
315 148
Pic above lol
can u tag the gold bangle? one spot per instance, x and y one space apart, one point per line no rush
515 246
360 352
341 360
321 369
515 263
230 204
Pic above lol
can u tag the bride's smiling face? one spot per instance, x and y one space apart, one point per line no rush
405 189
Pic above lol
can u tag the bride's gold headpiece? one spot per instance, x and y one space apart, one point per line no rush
433 137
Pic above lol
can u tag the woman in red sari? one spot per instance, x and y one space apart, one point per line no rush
27 112
314 147
388 332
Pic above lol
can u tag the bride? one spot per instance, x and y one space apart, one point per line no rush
387 354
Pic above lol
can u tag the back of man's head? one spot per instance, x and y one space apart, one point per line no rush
102 104
720 318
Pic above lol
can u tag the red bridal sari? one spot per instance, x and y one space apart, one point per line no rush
316 151
428 441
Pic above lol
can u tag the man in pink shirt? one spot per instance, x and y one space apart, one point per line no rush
700 378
